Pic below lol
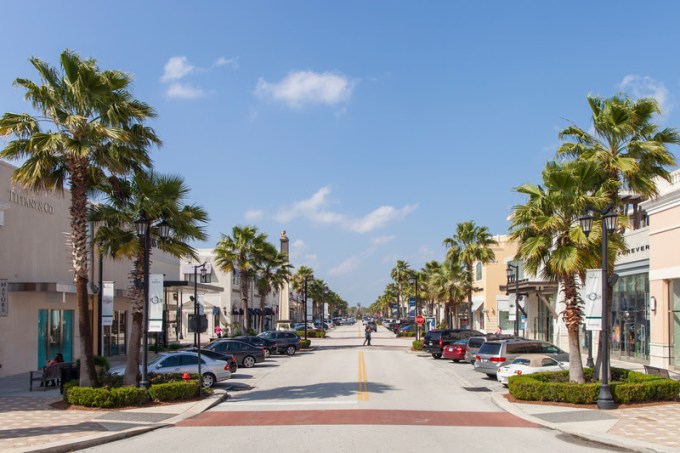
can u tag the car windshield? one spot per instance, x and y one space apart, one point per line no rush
265 335
521 362
490 348
434 335
157 359
475 342
463 342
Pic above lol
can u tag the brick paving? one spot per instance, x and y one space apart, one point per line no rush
659 424
30 421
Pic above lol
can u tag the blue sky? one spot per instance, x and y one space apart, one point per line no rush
367 130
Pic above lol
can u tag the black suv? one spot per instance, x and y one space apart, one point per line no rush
285 341
260 342
435 340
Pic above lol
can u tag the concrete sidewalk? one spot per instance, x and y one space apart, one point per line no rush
30 424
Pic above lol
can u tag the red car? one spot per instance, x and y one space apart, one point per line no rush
455 351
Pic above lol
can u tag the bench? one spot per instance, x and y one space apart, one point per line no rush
654 371
50 373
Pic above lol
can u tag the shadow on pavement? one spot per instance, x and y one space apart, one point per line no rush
50 430
322 390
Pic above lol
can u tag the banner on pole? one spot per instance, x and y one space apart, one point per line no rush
512 311
412 307
155 303
592 296
107 303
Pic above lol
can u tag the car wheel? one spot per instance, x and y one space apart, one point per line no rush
267 353
456 360
248 361
208 380
290 350
437 356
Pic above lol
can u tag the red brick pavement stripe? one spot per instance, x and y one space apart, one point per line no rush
357 417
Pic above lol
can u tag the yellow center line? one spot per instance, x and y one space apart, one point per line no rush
362 395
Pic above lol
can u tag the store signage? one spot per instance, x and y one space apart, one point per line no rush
155 303
30 202
107 304
4 298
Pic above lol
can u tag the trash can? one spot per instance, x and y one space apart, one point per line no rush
69 372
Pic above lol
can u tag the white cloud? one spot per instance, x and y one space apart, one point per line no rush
222 61
184 91
647 87
307 88
176 68
298 243
314 209
382 240
347 266
252 215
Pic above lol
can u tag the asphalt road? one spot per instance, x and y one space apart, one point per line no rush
345 397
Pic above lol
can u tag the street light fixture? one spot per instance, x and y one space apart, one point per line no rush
512 272
609 222
197 319
143 225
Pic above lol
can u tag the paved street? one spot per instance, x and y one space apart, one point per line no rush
346 397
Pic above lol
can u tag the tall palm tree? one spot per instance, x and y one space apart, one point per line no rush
447 283
160 197
473 243
89 127
427 290
400 273
273 272
241 252
551 242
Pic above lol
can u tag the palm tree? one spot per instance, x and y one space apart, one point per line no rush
551 242
160 197
426 289
90 127
447 284
273 272
470 244
400 273
241 252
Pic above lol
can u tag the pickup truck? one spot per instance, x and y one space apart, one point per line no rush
435 340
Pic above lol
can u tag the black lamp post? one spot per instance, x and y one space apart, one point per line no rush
609 222
143 225
414 281
197 319
512 272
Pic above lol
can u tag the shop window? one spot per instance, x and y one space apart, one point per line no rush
55 335
478 272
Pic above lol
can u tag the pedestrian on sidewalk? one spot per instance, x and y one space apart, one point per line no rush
367 333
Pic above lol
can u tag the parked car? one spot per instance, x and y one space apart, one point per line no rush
529 364
455 351
301 326
285 341
246 354
259 342
180 362
435 340
475 343
494 354
229 358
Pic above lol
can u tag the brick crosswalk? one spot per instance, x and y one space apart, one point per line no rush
659 424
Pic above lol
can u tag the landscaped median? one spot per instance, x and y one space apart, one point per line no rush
626 387
164 388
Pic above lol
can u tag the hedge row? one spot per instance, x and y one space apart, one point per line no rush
306 344
406 334
105 397
417 345
626 387
311 333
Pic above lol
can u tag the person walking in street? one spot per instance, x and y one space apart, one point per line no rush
367 333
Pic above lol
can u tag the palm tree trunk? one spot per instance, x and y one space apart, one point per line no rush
263 296
572 318
137 295
78 211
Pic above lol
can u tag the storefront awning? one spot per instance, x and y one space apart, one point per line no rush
477 304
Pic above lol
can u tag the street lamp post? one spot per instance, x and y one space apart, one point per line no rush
143 225
513 273
609 221
197 320
414 281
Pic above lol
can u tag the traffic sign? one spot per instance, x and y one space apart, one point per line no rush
420 320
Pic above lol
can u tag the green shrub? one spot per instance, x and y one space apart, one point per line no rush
68 386
174 346
162 378
306 344
417 345
626 387
311 333
101 361
406 334
173 391
110 380
106 397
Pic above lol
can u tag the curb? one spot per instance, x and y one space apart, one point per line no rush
600 438
99 439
